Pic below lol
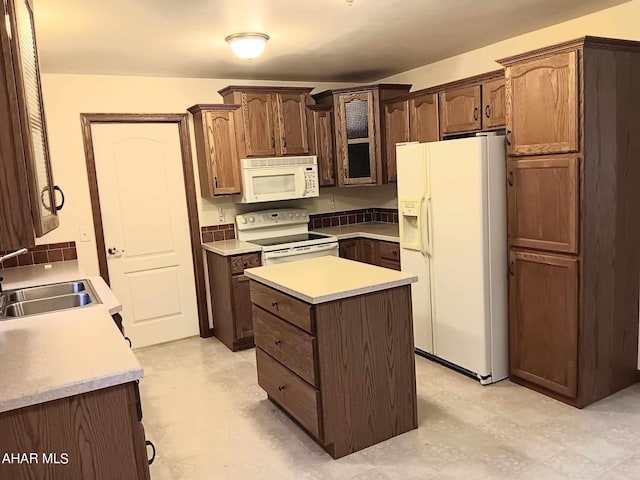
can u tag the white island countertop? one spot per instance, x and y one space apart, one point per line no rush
55 355
328 278
388 232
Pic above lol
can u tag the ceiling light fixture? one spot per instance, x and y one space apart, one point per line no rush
247 45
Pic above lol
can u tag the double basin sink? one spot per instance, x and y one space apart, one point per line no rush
47 298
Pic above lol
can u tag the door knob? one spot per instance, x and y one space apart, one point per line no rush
115 251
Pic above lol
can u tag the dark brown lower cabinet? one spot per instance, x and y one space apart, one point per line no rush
543 321
374 252
90 436
327 366
230 298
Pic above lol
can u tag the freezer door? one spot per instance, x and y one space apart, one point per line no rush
460 275
413 192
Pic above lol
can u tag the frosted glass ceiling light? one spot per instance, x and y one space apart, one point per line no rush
247 45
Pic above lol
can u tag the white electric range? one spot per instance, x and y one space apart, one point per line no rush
284 236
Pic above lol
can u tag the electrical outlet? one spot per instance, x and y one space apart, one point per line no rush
221 214
85 234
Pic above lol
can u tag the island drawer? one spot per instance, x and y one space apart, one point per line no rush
290 392
289 345
282 305
240 262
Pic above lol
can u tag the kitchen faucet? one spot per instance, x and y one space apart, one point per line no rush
7 257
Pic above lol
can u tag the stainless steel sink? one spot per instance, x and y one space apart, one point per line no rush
46 298
46 305
46 291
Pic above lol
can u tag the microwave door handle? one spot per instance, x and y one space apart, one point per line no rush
291 253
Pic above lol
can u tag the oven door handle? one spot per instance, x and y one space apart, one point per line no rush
291 253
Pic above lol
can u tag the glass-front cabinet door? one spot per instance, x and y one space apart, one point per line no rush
31 113
356 139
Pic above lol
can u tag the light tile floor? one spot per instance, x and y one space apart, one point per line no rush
209 420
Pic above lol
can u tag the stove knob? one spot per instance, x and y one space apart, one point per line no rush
243 220
251 219
291 214
304 214
297 214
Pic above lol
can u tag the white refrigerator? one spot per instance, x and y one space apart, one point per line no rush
452 209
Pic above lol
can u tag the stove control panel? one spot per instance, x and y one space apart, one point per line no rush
271 218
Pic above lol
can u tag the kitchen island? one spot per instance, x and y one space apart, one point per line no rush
335 349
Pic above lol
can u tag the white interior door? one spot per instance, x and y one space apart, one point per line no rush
146 229
461 327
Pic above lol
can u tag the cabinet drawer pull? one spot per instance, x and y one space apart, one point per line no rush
274 304
475 113
278 343
58 189
487 111
149 443
281 388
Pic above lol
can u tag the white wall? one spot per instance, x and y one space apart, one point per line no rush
67 96
622 21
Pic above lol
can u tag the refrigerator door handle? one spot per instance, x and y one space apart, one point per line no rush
429 249
425 247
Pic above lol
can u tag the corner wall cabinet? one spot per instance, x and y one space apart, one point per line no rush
573 221
27 201
360 132
274 119
218 131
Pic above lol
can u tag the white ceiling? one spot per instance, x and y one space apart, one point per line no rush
321 40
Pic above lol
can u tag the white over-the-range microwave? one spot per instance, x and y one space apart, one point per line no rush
279 178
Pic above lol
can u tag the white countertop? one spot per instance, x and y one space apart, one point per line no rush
231 247
59 354
388 232
328 278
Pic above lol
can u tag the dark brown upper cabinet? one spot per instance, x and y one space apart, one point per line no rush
218 131
542 105
460 109
396 114
360 131
274 119
424 122
321 142
493 104
27 200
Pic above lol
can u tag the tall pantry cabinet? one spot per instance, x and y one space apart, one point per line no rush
573 219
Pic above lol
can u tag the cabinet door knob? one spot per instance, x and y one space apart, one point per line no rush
510 178
274 304
284 142
281 388
273 142
487 111
346 174
512 270
475 113
215 179
278 342
508 137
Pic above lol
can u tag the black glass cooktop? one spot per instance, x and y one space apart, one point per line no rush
303 237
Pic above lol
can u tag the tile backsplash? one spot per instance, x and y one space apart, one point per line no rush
214 233
48 253
350 217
